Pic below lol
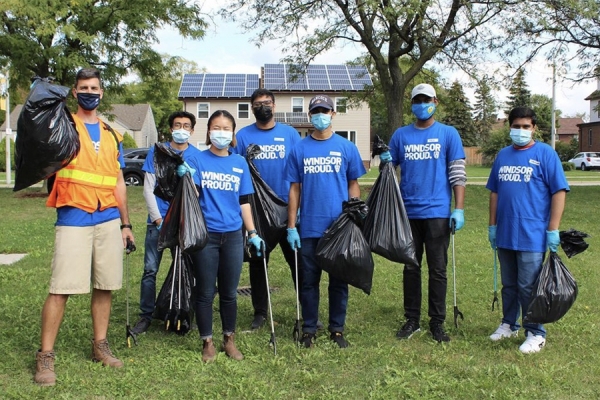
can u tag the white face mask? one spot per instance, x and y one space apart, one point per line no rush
180 136
221 139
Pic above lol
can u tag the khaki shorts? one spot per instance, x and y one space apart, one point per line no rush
87 254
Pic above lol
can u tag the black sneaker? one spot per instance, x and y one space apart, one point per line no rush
307 340
409 328
141 326
438 333
338 338
258 322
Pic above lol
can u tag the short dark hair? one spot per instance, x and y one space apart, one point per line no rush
521 112
87 73
221 113
182 114
262 92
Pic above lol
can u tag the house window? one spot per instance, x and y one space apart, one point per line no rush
340 105
243 110
203 110
298 104
590 137
350 135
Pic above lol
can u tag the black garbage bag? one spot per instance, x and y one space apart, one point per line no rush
386 227
184 223
269 212
174 304
572 242
166 161
343 251
47 139
553 294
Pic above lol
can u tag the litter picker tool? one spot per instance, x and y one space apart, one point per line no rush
495 300
296 333
272 341
129 333
457 312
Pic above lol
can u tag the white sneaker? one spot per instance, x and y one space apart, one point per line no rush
532 344
503 332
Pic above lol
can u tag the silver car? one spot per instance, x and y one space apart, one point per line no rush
586 161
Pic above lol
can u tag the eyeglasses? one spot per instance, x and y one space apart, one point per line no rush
184 126
267 103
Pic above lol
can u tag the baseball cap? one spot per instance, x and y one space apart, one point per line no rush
320 100
423 88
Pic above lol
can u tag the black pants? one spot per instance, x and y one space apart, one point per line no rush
433 235
260 301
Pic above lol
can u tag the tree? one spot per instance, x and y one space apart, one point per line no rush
452 30
458 113
542 105
519 96
484 109
58 37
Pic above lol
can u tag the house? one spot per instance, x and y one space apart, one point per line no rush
137 120
202 94
589 133
568 129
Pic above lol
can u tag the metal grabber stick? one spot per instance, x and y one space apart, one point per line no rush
296 333
129 335
495 300
272 341
457 312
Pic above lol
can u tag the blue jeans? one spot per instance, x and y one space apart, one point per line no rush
152 258
519 270
309 293
219 261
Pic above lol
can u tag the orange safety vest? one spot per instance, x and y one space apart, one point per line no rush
88 182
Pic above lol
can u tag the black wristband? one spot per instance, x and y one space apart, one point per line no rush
251 232
126 226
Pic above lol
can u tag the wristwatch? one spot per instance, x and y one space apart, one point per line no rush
126 226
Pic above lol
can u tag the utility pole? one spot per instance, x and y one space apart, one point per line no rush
8 131
553 129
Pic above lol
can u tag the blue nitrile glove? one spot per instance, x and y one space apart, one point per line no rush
258 244
492 236
458 216
385 157
159 225
552 240
293 238
183 168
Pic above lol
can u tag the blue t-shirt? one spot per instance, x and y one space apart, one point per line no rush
324 168
525 181
222 180
148 166
424 156
275 145
73 216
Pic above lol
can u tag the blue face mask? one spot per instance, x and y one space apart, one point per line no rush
520 137
221 139
320 121
180 136
88 101
423 111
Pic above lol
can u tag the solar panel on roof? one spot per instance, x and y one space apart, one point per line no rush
316 77
218 85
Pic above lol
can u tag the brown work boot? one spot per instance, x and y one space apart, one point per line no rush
230 349
208 350
101 353
44 369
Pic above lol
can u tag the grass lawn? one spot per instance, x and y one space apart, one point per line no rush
375 366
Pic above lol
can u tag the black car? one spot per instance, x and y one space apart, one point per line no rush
134 161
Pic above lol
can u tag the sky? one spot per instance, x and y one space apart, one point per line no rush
227 49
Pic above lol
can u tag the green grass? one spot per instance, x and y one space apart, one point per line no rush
376 365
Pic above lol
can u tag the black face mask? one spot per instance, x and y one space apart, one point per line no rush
88 101
263 113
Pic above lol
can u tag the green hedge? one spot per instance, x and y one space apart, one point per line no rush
567 166
3 155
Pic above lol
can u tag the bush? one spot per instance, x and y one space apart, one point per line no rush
566 151
567 166
3 155
129 141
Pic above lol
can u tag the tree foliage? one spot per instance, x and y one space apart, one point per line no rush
458 113
58 37
520 95
542 105
450 30
484 109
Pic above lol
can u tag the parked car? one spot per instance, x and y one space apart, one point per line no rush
134 161
586 161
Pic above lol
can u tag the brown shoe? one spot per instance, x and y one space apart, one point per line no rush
44 369
208 350
101 353
230 349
